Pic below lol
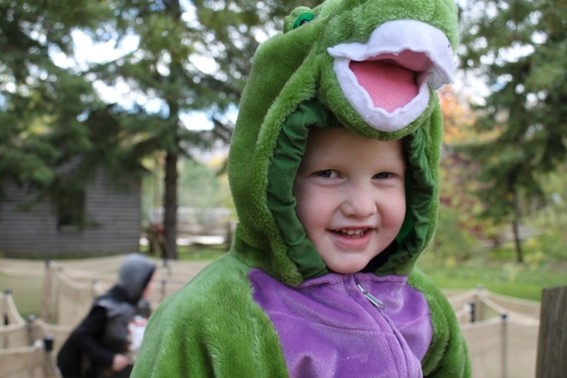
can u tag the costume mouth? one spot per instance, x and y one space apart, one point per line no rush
391 81
387 79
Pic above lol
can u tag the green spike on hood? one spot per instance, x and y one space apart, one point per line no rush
332 65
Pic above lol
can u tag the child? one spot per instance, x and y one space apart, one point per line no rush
101 343
333 169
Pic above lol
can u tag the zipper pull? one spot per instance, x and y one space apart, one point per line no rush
371 298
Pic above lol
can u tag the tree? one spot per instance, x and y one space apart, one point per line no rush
520 48
43 106
460 228
190 57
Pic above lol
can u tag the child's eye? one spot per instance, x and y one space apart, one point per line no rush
383 175
326 173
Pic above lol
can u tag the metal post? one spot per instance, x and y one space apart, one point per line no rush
5 318
48 343
49 366
504 344
30 328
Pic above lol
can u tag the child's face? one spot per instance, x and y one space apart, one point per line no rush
350 196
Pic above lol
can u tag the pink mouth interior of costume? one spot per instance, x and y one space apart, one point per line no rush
390 80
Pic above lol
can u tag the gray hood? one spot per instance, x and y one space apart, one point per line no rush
134 274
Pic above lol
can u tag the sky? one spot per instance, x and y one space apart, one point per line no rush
88 52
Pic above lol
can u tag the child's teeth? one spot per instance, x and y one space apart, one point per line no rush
353 232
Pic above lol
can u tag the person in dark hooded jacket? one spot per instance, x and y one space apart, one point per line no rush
100 344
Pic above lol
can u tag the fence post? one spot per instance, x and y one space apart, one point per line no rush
479 303
472 307
46 295
552 339
504 350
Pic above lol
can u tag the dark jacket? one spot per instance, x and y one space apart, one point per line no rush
90 349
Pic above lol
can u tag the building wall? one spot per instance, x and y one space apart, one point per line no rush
116 214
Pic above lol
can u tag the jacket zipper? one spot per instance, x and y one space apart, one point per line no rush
371 298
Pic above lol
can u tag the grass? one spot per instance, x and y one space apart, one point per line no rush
26 292
524 281
200 253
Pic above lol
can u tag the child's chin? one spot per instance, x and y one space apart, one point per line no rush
343 268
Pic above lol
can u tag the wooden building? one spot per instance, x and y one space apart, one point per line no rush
40 229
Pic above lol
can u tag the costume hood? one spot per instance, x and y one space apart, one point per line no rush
369 66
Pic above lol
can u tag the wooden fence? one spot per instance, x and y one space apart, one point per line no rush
552 344
501 332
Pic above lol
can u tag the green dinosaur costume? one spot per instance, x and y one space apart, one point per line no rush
270 307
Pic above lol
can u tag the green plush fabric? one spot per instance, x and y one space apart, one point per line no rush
212 327
294 68
447 355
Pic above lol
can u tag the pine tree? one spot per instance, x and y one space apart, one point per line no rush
50 113
520 48
42 104
167 67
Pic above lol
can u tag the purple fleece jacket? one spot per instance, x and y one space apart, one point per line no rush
328 326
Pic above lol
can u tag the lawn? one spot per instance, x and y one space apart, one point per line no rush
507 278
26 291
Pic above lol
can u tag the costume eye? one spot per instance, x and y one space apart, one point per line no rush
303 19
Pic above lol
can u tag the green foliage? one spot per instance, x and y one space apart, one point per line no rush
40 103
522 281
190 56
545 249
452 243
549 244
199 186
519 48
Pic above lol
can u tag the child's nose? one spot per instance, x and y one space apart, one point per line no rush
359 202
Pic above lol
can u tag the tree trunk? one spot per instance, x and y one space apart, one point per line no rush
516 230
170 205
171 175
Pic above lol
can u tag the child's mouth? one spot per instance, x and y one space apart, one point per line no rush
351 233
